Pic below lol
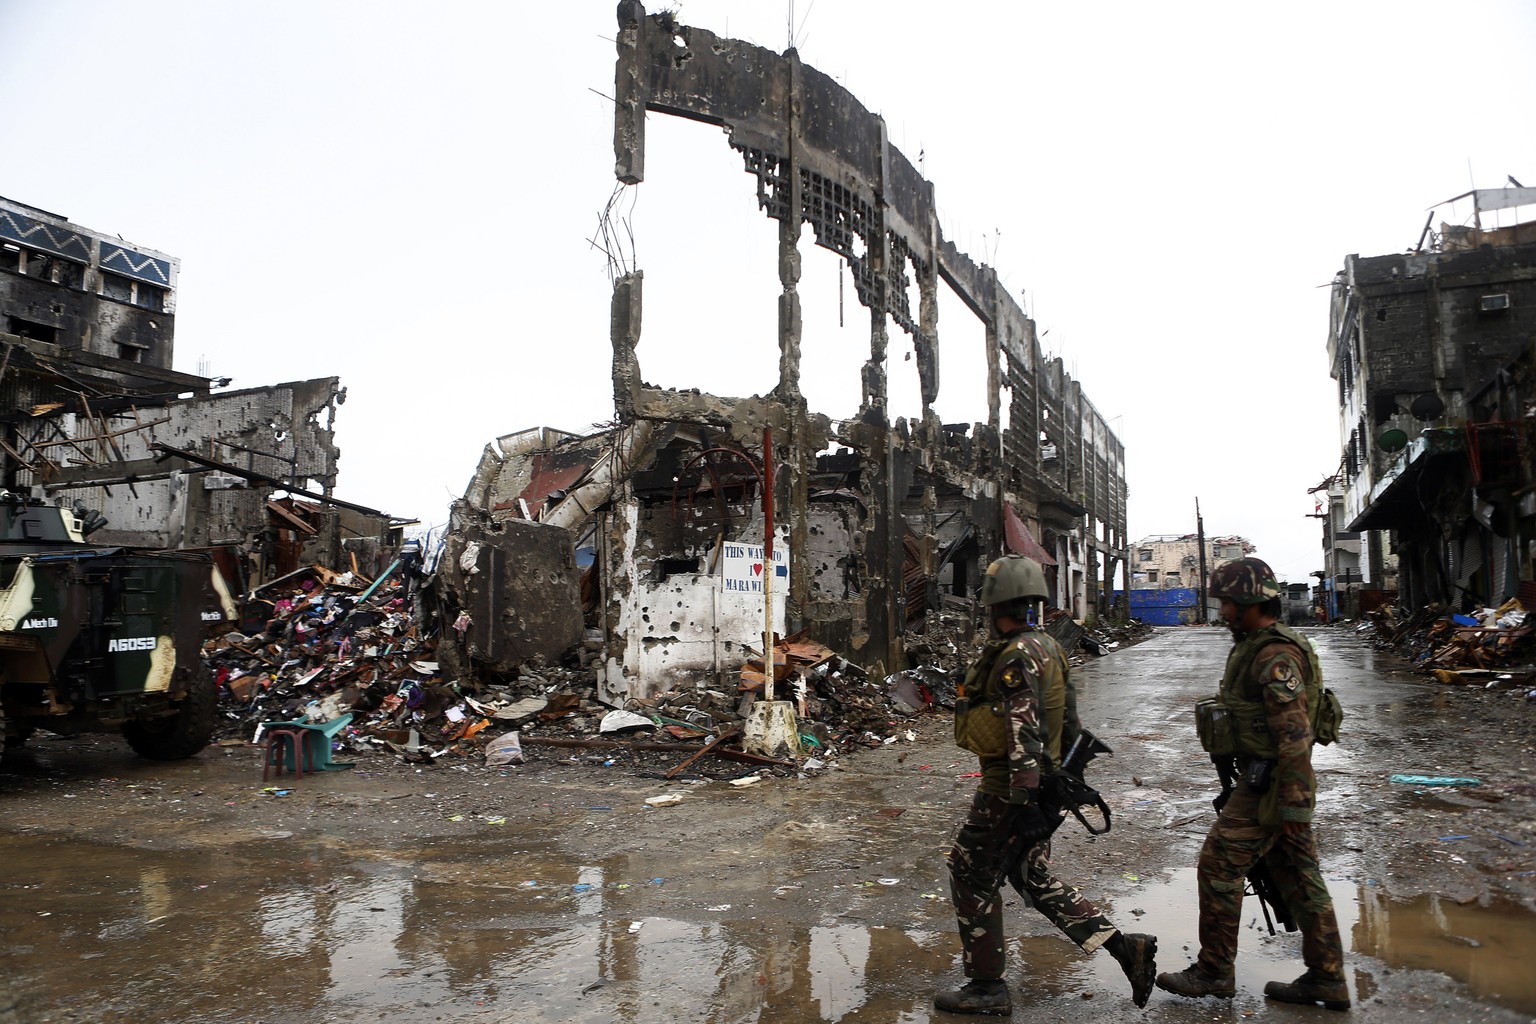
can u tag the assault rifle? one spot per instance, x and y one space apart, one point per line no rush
1261 884
1065 791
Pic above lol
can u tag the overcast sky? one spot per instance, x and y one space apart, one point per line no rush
402 195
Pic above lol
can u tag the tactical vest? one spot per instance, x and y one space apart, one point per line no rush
981 725
1232 723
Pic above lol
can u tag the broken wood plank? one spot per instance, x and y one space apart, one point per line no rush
725 734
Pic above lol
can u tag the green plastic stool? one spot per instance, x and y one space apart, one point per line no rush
317 746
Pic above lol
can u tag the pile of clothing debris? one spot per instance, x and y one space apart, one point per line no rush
1491 647
318 644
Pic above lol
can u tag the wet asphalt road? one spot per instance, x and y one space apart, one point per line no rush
184 893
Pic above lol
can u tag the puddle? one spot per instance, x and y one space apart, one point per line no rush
483 932
1485 948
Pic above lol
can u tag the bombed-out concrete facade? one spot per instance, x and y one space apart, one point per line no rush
1171 561
91 412
874 523
85 292
1432 351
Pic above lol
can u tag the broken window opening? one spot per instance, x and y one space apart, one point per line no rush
962 359
668 567
135 293
723 237
903 387
718 484
1048 449
148 296
32 329
834 334
115 286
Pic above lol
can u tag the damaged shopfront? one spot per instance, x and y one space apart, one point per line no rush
1433 355
664 519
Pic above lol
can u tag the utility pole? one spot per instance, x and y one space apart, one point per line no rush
1200 540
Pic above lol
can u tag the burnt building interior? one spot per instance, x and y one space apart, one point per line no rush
874 523
95 418
1432 352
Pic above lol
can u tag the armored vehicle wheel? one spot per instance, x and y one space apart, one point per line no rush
183 734
17 738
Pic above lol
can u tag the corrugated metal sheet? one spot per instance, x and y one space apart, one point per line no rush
1019 540
1173 607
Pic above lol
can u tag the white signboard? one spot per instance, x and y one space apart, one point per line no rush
742 568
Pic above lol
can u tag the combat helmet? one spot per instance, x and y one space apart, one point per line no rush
1245 581
1012 578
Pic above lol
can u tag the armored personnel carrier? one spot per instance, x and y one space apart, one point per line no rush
104 639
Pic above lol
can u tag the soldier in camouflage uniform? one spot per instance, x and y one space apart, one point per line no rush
1017 711
1271 699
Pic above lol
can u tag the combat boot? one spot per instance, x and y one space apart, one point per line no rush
976 996
1138 959
1194 983
1312 987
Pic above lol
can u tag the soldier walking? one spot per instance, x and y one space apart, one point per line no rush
1016 711
1259 730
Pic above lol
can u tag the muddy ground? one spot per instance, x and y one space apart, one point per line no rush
551 891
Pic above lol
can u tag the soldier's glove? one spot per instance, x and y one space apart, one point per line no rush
1030 822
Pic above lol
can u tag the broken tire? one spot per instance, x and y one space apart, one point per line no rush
180 735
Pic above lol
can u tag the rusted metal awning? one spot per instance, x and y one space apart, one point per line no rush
1019 540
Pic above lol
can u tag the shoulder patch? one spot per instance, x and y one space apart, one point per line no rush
1013 676
1283 681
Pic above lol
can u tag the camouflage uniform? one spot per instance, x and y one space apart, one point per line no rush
1019 680
1277 674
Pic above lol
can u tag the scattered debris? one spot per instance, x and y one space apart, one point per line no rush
1436 780
664 800
318 645
1492 647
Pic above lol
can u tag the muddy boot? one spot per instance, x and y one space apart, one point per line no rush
1312 987
976 996
1138 959
1194 983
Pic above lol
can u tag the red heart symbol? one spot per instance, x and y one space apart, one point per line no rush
757 568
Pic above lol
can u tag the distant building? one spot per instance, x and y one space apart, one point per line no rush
1172 561
1296 607
1432 352
1340 582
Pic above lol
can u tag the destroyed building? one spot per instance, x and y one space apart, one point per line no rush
1432 352
874 523
93 413
1170 561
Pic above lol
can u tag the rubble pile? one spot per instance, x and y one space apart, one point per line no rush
1082 643
1455 648
318 644
315 644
